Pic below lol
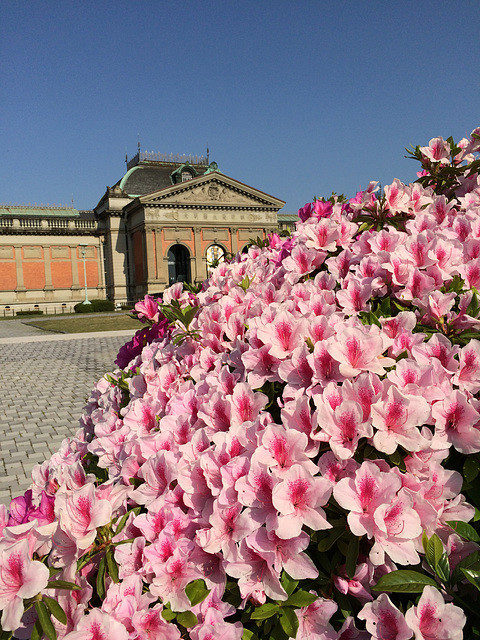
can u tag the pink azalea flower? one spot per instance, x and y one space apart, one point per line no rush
384 621
98 626
396 418
298 499
432 619
20 578
80 513
363 494
148 308
313 621
357 350
438 150
456 423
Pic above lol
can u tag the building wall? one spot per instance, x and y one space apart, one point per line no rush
41 270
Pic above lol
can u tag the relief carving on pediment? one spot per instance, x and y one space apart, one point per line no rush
214 193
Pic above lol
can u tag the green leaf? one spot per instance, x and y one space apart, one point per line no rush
187 619
55 609
352 555
443 568
288 583
404 581
265 611
471 467
37 631
112 565
101 578
45 620
301 598
249 635
472 309
168 614
472 576
465 530
333 535
196 591
63 584
289 622
123 520
470 562
424 541
434 551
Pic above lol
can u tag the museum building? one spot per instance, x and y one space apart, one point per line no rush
168 219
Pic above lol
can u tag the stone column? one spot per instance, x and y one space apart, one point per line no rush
48 273
150 267
75 280
234 239
19 268
200 265
100 267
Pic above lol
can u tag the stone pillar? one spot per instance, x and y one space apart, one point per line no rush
48 273
74 259
101 270
200 264
19 267
234 239
150 262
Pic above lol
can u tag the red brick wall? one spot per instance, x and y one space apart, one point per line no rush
34 275
62 274
8 276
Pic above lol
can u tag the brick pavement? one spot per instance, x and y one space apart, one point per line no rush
45 380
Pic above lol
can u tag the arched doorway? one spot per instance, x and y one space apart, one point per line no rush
215 255
178 264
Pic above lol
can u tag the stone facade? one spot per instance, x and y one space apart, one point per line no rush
166 220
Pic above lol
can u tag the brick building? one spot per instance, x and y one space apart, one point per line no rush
166 220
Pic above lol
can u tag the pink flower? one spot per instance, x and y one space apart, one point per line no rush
358 350
298 499
384 621
80 513
98 626
20 578
438 150
432 619
313 621
148 308
396 418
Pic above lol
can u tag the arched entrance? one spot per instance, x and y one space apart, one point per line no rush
178 264
215 255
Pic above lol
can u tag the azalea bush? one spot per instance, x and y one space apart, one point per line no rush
291 451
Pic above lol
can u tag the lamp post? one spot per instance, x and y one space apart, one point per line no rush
84 246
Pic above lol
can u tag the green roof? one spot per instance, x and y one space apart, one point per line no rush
39 211
287 217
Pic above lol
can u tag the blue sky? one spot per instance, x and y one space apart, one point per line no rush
297 99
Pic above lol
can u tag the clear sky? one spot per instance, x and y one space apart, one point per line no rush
296 98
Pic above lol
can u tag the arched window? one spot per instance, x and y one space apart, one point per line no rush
215 255
178 264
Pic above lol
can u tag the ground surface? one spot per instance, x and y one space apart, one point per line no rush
45 379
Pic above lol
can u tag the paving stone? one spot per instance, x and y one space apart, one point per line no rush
39 411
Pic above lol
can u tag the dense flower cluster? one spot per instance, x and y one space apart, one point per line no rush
283 447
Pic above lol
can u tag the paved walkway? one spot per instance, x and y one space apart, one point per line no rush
45 379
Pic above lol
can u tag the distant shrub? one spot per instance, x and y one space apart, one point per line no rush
94 306
29 313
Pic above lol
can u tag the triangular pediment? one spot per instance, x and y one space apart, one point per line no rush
212 190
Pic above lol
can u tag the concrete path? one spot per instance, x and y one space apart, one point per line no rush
45 380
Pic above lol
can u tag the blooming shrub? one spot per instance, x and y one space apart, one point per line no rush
292 451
